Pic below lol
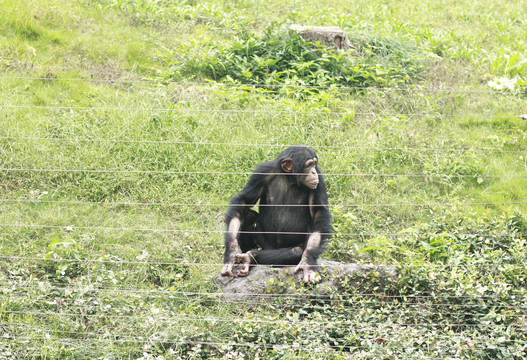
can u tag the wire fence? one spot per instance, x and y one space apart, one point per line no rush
33 301
234 173
224 205
364 234
259 145
497 304
182 318
262 111
269 86
496 300
90 337
478 263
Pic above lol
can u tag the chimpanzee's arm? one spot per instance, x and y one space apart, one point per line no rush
320 233
240 205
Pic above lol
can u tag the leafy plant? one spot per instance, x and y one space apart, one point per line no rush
282 57
59 252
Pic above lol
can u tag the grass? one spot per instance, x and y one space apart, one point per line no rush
118 155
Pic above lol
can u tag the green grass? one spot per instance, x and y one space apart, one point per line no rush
119 151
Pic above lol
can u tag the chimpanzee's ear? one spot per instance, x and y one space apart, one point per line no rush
287 165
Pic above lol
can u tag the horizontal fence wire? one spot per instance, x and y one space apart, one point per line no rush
362 329
190 143
120 203
179 318
381 343
244 173
504 309
72 227
261 85
286 302
267 86
264 111
480 262
494 301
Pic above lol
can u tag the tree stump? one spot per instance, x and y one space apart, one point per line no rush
334 37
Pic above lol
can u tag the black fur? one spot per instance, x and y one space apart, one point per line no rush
278 234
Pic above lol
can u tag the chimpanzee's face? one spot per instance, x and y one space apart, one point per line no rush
310 175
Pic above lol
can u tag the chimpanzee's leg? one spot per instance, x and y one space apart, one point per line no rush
283 256
256 248
247 239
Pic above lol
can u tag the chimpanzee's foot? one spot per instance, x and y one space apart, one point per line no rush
245 261
310 276
227 270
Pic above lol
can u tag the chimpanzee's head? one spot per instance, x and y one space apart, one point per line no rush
301 162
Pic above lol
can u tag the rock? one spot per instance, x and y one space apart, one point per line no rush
328 36
265 283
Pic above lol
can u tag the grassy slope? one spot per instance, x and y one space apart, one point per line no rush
56 41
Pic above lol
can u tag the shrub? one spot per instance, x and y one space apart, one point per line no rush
282 57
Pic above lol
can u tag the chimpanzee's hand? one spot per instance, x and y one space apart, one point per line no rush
227 267
245 261
310 276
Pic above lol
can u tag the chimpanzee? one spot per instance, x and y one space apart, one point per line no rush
293 222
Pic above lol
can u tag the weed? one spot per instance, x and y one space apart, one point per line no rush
282 57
